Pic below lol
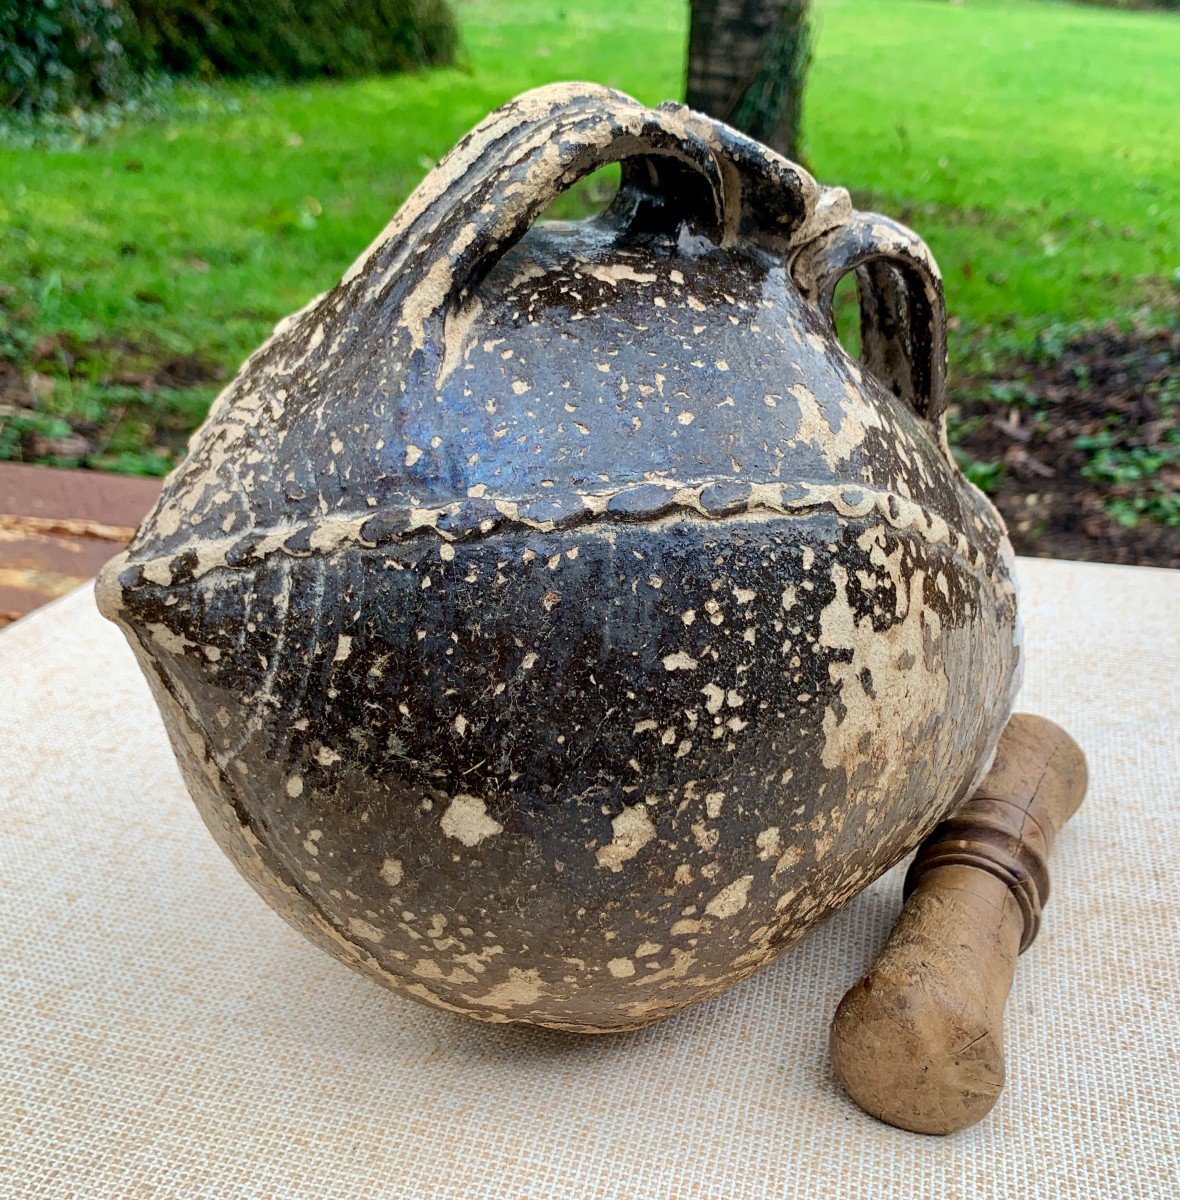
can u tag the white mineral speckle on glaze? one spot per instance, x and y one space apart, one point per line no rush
363 929
679 661
906 692
632 830
614 273
167 639
467 821
705 837
731 899
788 859
520 989
159 572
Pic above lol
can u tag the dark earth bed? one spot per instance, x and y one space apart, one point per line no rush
1079 447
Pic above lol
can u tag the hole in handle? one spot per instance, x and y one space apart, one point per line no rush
588 199
846 314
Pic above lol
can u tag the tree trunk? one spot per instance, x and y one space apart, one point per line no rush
747 63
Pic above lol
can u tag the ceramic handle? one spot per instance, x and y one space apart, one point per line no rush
486 193
902 308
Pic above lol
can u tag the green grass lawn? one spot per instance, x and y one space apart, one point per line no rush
1032 144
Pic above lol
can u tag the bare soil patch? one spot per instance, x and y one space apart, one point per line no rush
1079 446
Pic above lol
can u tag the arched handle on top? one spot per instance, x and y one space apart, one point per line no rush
559 134
498 180
902 307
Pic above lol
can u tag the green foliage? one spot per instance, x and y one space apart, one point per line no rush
58 55
18 426
287 39
135 462
1013 393
55 54
1136 471
1110 462
1164 5
154 98
1159 504
987 476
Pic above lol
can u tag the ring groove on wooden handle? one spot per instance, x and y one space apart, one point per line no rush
986 839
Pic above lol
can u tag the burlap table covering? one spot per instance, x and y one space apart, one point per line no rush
162 1034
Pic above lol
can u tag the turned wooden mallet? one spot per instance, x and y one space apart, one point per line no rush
918 1042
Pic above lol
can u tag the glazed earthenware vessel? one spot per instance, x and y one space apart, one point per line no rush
553 621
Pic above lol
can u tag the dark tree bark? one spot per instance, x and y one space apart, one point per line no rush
747 63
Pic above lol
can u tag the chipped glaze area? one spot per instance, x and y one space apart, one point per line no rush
553 622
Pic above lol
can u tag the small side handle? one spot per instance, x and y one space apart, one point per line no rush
499 179
902 306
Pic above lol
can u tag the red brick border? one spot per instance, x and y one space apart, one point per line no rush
58 527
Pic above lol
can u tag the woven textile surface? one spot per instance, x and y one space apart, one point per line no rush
163 1034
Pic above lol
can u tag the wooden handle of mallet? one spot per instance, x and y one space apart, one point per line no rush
918 1042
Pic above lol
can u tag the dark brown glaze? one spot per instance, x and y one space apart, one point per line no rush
553 621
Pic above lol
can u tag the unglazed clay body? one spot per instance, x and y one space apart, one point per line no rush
552 621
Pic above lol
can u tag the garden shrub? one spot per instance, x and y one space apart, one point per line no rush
1162 5
55 54
290 39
